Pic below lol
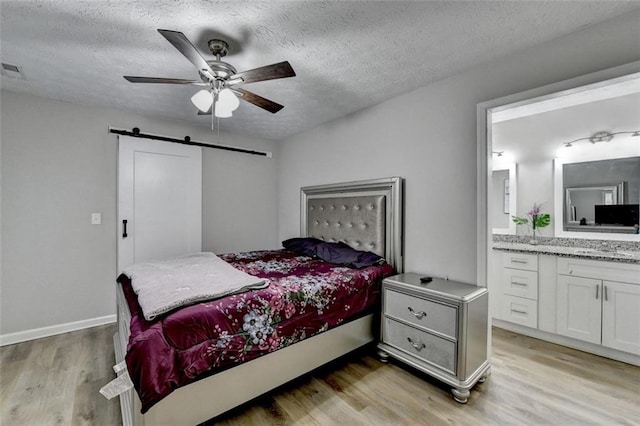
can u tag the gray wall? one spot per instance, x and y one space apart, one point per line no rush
535 185
429 137
59 166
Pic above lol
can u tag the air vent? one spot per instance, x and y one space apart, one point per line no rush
12 71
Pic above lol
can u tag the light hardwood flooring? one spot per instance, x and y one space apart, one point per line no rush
56 381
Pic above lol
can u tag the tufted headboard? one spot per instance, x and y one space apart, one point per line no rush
367 215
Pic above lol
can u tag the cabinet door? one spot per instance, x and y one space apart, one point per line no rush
621 316
579 308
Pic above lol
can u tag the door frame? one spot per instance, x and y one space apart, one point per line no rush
484 149
484 145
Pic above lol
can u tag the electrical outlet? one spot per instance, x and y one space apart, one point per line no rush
96 218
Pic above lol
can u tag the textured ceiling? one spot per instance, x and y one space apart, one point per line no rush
348 55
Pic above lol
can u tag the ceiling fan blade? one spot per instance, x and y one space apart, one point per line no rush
269 72
258 100
163 80
182 43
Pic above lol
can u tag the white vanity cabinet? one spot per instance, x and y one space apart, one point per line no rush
589 304
518 292
599 302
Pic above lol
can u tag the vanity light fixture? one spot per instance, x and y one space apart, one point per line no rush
603 136
498 153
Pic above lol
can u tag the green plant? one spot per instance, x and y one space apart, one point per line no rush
534 217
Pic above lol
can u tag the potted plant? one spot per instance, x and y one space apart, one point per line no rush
536 218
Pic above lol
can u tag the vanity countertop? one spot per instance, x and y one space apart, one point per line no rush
625 256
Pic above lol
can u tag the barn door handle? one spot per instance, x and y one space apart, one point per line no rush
124 228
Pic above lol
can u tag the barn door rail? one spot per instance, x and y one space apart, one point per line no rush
136 133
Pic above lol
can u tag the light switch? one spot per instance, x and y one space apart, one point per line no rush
96 218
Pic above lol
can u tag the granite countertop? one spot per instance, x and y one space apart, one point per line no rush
625 256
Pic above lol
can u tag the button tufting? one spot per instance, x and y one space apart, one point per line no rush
316 223
321 207
332 207
326 223
356 207
344 207
370 207
350 225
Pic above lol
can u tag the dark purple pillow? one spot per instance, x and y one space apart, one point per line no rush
343 254
306 246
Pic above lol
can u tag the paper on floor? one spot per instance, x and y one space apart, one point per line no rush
117 386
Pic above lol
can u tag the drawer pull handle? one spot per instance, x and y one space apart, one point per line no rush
523 261
418 346
418 315
517 311
597 291
606 294
517 283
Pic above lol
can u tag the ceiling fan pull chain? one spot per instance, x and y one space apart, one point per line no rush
213 109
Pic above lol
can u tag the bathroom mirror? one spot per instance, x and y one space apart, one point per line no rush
580 202
503 198
597 197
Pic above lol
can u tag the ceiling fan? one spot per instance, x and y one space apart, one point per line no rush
220 79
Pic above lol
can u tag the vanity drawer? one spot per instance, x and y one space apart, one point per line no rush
519 310
423 313
420 344
598 269
516 282
524 261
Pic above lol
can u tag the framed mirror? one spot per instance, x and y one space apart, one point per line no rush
503 198
580 203
598 198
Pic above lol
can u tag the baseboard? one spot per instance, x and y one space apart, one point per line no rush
599 350
38 333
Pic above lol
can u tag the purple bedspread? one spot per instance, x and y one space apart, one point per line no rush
305 297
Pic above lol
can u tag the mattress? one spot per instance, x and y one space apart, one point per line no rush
305 297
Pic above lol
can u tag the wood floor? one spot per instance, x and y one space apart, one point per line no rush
56 381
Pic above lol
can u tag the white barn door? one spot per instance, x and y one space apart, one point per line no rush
159 200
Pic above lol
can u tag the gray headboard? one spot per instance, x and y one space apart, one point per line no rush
367 215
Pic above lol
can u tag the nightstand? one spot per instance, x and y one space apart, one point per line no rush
439 328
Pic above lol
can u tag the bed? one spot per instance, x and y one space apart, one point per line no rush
367 215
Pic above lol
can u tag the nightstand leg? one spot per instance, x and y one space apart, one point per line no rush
460 395
485 376
384 357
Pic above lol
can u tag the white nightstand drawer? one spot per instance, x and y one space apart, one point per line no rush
434 316
516 282
428 347
520 261
520 310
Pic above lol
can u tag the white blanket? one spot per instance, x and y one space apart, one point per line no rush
164 285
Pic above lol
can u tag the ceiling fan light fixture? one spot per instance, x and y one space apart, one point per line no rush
227 100
202 100
223 113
